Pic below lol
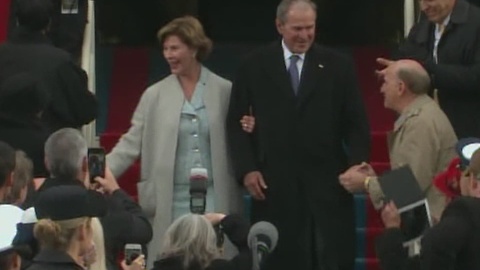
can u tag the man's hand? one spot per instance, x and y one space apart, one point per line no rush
137 264
108 184
390 216
353 179
385 62
255 184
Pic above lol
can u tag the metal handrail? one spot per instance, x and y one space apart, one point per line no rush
88 64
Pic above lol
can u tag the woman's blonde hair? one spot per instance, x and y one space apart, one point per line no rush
190 31
98 239
193 238
58 234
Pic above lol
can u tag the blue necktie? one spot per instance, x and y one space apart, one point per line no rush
293 71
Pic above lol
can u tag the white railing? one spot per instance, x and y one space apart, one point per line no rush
408 15
88 64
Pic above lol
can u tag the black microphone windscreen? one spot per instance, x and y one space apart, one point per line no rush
263 230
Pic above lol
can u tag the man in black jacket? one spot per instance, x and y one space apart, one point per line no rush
452 243
28 50
446 40
125 222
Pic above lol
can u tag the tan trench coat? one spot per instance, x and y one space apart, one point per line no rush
424 139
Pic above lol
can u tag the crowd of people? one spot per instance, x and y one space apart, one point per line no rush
290 129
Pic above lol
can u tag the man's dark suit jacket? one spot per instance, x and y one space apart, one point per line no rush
457 74
301 144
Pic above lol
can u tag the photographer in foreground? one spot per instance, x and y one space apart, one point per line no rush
191 243
64 227
66 158
453 242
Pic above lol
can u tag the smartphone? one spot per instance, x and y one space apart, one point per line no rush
132 251
96 163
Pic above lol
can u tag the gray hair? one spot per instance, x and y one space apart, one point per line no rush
65 151
285 6
416 81
192 237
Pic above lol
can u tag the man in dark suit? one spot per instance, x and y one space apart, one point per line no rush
446 41
310 126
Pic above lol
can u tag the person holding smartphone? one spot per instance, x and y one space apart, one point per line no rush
67 159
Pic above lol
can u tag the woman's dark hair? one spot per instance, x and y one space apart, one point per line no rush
34 14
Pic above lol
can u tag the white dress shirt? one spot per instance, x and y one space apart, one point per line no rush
438 36
287 53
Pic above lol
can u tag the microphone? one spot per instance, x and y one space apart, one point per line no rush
198 190
262 240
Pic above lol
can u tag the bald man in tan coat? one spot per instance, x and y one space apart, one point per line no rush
422 137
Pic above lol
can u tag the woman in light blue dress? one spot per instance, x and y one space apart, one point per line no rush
179 125
193 150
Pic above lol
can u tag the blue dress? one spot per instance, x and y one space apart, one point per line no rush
193 150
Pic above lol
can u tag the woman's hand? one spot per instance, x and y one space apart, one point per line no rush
137 264
214 218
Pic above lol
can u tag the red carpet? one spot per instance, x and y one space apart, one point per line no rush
381 120
4 18
365 60
129 80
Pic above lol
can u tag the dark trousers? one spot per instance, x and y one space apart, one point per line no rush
315 245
